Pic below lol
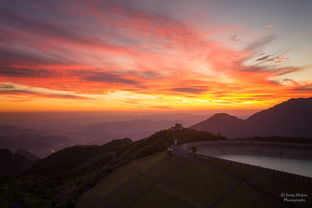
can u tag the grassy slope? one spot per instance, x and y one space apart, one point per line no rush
76 169
119 176
136 174
175 182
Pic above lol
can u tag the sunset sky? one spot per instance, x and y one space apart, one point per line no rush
153 55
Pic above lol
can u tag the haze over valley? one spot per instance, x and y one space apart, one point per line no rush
155 104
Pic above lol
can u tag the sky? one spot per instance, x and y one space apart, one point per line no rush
153 55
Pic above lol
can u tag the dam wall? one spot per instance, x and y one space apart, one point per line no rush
261 148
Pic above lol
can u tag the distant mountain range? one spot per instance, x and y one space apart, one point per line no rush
100 132
292 118
67 173
41 141
37 141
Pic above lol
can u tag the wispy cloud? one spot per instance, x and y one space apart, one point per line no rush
23 92
188 90
40 94
108 48
261 42
6 86
307 87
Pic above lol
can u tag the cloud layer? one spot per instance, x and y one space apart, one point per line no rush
114 50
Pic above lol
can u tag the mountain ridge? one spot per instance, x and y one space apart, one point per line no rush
14 163
290 118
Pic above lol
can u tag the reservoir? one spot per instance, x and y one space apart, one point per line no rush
289 165
293 158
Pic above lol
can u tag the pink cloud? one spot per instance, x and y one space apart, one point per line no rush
151 54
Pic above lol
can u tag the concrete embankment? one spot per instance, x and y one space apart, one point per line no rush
261 148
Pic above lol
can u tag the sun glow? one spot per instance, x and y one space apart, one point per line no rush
126 58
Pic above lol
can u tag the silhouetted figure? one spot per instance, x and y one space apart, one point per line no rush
170 149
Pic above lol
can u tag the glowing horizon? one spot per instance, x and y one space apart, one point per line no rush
146 56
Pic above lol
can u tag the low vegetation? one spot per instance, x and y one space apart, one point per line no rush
60 179
123 173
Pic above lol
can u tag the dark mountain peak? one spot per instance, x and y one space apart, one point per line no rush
220 123
294 102
220 118
298 100
291 118
290 109
5 152
223 116
26 154
12 163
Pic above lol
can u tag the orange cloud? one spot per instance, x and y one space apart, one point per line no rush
139 58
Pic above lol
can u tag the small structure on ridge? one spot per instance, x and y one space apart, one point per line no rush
176 127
